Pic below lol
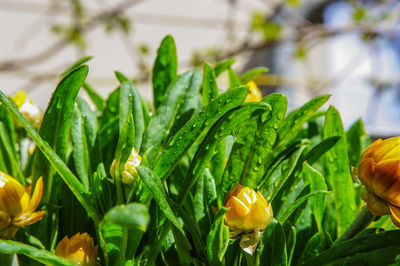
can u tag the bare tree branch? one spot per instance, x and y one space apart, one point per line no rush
17 63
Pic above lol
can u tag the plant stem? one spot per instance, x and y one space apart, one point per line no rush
363 219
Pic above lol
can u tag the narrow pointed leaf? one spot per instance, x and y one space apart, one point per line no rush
338 172
186 136
165 69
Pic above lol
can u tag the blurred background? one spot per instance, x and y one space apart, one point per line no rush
350 49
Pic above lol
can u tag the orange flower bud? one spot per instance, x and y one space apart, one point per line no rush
254 94
79 249
17 205
379 171
28 109
249 213
129 172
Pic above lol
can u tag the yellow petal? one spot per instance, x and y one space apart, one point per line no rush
12 195
245 196
20 98
379 150
366 170
79 249
393 153
395 215
237 211
385 181
36 196
234 192
9 232
259 216
4 220
375 205
368 150
254 94
28 218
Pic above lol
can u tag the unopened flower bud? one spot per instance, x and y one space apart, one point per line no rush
28 109
79 249
254 94
379 172
129 172
249 213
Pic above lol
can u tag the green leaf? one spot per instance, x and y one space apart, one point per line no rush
8 146
381 248
132 215
192 227
293 123
218 161
109 128
228 124
242 150
126 137
83 135
317 182
357 141
137 110
55 128
185 137
164 70
285 215
222 66
101 190
274 245
318 150
359 13
112 235
94 96
68 177
10 153
157 189
252 73
279 172
317 244
262 149
183 246
209 86
218 239
40 255
81 153
191 103
234 79
160 124
77 64
209 194
290 233
338 172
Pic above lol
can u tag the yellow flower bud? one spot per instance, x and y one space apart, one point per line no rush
129 172
249 213
28 109
17 205
79 249
379 171
248 210
254 94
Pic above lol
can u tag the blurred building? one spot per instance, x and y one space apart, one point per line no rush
360 70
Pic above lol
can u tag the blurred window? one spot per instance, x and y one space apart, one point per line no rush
365 70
